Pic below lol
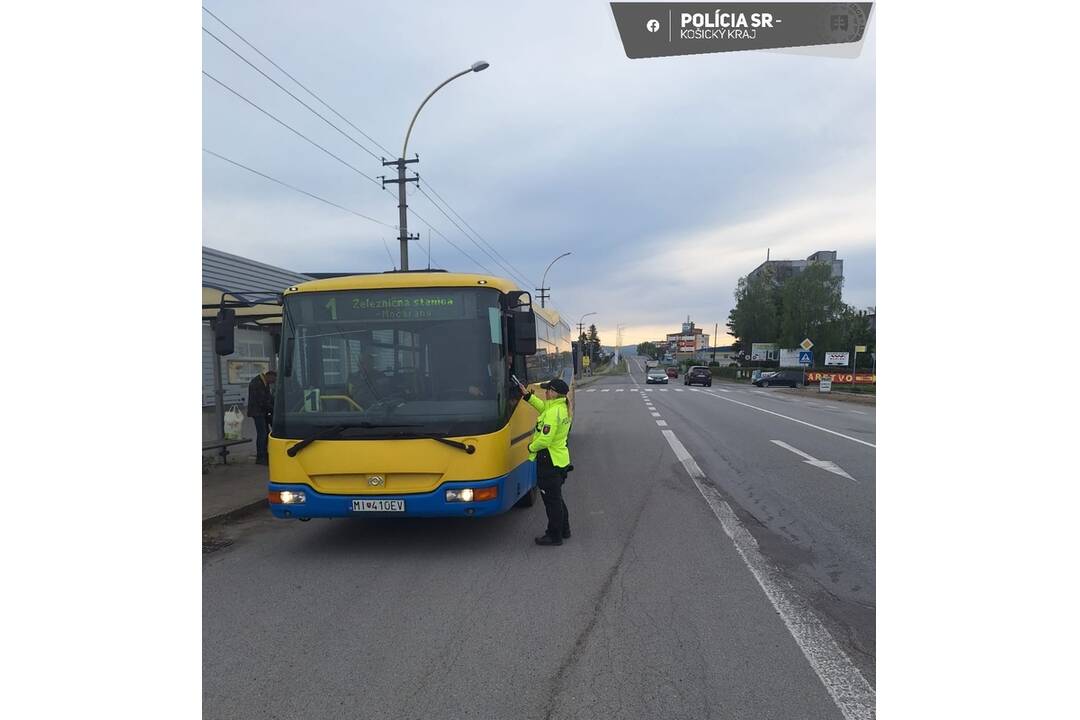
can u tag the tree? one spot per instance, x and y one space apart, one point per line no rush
755 315
647 349
810 307
594 341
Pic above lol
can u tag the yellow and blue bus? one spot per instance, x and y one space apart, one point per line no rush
394 395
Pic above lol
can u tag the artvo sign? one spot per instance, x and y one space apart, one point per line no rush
665 29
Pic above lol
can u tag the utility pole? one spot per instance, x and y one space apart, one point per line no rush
403 209
715 329
401 162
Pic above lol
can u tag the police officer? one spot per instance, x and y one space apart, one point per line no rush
548 449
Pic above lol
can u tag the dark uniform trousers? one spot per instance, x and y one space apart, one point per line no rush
550 480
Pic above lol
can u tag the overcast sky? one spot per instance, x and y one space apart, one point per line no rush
667 179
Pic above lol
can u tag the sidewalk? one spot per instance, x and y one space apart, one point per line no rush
232 489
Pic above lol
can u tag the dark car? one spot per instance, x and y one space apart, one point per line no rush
673 372
656 375
698 374
785 378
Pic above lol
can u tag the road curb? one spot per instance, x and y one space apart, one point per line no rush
236 514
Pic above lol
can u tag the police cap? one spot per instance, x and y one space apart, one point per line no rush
557 385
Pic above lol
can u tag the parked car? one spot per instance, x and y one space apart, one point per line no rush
788 378
698 374
673 372
656 375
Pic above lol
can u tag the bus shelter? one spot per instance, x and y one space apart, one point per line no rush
259 308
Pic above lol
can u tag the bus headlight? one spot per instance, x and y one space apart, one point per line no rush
472 494
287 497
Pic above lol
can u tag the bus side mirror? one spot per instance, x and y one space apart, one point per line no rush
225 332
523 332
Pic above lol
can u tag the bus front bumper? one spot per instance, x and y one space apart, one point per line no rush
510 488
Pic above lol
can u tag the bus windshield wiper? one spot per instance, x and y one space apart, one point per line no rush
333 431
470 449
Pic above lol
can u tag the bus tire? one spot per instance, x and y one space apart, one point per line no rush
528 499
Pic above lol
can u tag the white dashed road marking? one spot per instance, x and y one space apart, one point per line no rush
655 414
662 423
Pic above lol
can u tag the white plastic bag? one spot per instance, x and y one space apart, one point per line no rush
234 423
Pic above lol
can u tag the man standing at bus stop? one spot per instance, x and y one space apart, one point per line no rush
260 408
548 449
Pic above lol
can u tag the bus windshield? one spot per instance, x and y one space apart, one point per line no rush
431 360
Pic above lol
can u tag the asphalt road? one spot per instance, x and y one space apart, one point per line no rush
712 573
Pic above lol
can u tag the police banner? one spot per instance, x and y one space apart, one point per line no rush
651 30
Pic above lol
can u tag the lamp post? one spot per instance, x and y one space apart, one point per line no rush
581 332
542 290
401 162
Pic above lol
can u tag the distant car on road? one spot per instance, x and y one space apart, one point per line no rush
673 372
656 375
788 378
698 374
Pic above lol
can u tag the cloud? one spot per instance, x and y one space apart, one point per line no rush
666 178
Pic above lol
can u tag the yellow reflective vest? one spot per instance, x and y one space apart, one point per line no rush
552 427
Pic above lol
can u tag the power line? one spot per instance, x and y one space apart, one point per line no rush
338 129
293 187
344 134
452 243
452 222
290 127
306 88
466 222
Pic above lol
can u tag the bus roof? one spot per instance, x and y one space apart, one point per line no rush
391 280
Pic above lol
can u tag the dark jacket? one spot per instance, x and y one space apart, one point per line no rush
260 402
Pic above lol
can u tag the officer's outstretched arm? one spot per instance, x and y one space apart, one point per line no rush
537 403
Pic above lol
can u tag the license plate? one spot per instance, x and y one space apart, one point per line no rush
378 505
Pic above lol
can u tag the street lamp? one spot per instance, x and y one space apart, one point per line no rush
543 289
401 162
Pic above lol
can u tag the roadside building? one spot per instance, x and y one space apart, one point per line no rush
783 270
687 342
238 278
724 355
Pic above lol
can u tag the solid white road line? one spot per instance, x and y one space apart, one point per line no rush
801 422
848 688
723 390
857 412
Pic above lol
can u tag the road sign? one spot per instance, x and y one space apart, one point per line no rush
860 348
806 357
789 358
806 344
585 361
763 351
825 384
836 358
